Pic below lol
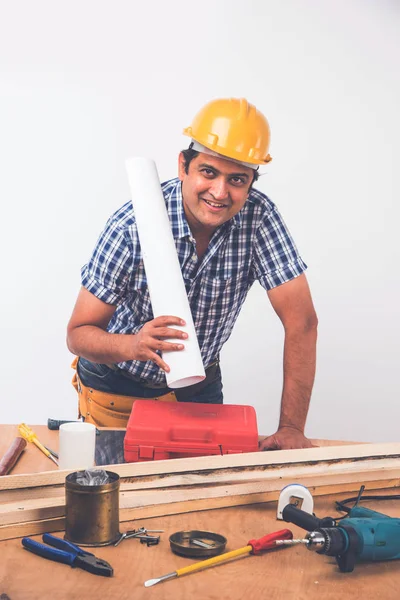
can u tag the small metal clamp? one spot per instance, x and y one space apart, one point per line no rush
140 534
150 540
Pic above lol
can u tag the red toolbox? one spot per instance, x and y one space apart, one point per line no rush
160 430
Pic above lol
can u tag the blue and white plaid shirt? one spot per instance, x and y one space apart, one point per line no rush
254 244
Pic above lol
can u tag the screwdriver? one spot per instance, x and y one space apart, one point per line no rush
30 436
253 547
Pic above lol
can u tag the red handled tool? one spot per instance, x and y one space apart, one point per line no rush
253 547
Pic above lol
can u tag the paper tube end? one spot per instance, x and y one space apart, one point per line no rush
186 381
138 161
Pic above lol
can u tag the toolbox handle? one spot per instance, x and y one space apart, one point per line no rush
201 451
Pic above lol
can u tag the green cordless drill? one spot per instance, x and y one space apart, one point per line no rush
364 535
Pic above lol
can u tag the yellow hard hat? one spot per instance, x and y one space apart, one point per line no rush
234 128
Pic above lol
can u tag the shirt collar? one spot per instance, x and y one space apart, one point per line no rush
176 213
177 217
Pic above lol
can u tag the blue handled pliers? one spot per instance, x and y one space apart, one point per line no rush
68 554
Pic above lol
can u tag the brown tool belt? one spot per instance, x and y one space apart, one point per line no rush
104 409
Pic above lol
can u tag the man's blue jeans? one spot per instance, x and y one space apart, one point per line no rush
103 378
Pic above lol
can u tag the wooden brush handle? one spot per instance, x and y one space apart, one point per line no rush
12 455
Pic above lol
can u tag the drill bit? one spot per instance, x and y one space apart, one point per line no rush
292 542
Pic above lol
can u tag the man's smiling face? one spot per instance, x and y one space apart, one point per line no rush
214 190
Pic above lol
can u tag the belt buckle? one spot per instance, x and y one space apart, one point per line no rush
152 385
157 386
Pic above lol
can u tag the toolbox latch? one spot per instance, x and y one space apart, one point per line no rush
146 451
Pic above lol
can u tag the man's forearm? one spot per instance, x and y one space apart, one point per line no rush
299 373
97 345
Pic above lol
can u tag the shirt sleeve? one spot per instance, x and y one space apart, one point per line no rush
107 273
276 258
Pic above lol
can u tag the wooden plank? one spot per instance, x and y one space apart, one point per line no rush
31 510
179 488
227 475
368 468
149 488
275 459
214 476
32 493
9 532
130 500
194 505
128 513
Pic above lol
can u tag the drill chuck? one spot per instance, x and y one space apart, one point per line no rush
341 542
331 541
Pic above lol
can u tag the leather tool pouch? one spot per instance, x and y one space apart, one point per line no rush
104 409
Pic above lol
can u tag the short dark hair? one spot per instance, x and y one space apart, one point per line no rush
189 154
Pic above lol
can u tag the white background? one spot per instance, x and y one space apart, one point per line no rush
84 84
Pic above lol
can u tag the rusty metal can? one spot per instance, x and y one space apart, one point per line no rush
92 511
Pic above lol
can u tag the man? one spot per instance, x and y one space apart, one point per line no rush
227 235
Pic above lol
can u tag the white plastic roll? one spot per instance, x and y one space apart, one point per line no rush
164 277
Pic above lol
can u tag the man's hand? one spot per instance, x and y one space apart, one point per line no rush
286 438
150 338
88 336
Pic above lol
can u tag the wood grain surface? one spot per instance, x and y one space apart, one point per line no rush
34 461
290 573
285 574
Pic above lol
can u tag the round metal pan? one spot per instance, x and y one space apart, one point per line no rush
188 543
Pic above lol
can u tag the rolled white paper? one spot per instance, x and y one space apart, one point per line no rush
164 277
77 443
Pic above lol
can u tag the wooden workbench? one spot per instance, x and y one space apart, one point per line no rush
291 573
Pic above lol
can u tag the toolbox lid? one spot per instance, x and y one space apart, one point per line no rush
223 427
